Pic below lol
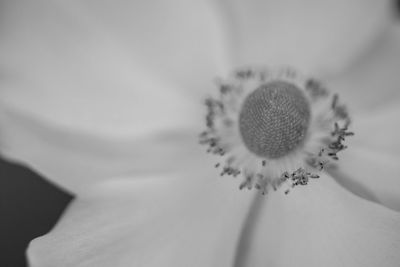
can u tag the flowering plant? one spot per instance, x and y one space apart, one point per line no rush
104 99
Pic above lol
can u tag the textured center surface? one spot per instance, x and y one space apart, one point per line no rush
274 119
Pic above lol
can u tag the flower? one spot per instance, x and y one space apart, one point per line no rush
267 124
96 101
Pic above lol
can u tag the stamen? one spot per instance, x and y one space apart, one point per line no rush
315 88
274 119
274 129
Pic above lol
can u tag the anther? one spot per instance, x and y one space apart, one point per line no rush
335 101
316 89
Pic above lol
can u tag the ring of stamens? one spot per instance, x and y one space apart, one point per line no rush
274 127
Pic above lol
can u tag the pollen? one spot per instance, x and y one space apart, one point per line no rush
274 119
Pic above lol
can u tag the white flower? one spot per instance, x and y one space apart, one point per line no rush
104 99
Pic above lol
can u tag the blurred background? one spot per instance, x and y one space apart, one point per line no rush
29 207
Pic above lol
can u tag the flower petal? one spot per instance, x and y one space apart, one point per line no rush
378 173
314 36
378 130
86 84
373 81
188 221
107 66
75 160
372 161
322 224
369 168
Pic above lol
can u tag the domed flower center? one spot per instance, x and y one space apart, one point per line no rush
274 119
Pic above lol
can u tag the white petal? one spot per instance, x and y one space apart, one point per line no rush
373 82
378 130
373 172
114 67
85 84
76 160
312 35
370 166
187 221
322 224
371 163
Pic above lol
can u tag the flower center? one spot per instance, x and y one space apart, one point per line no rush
274 119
